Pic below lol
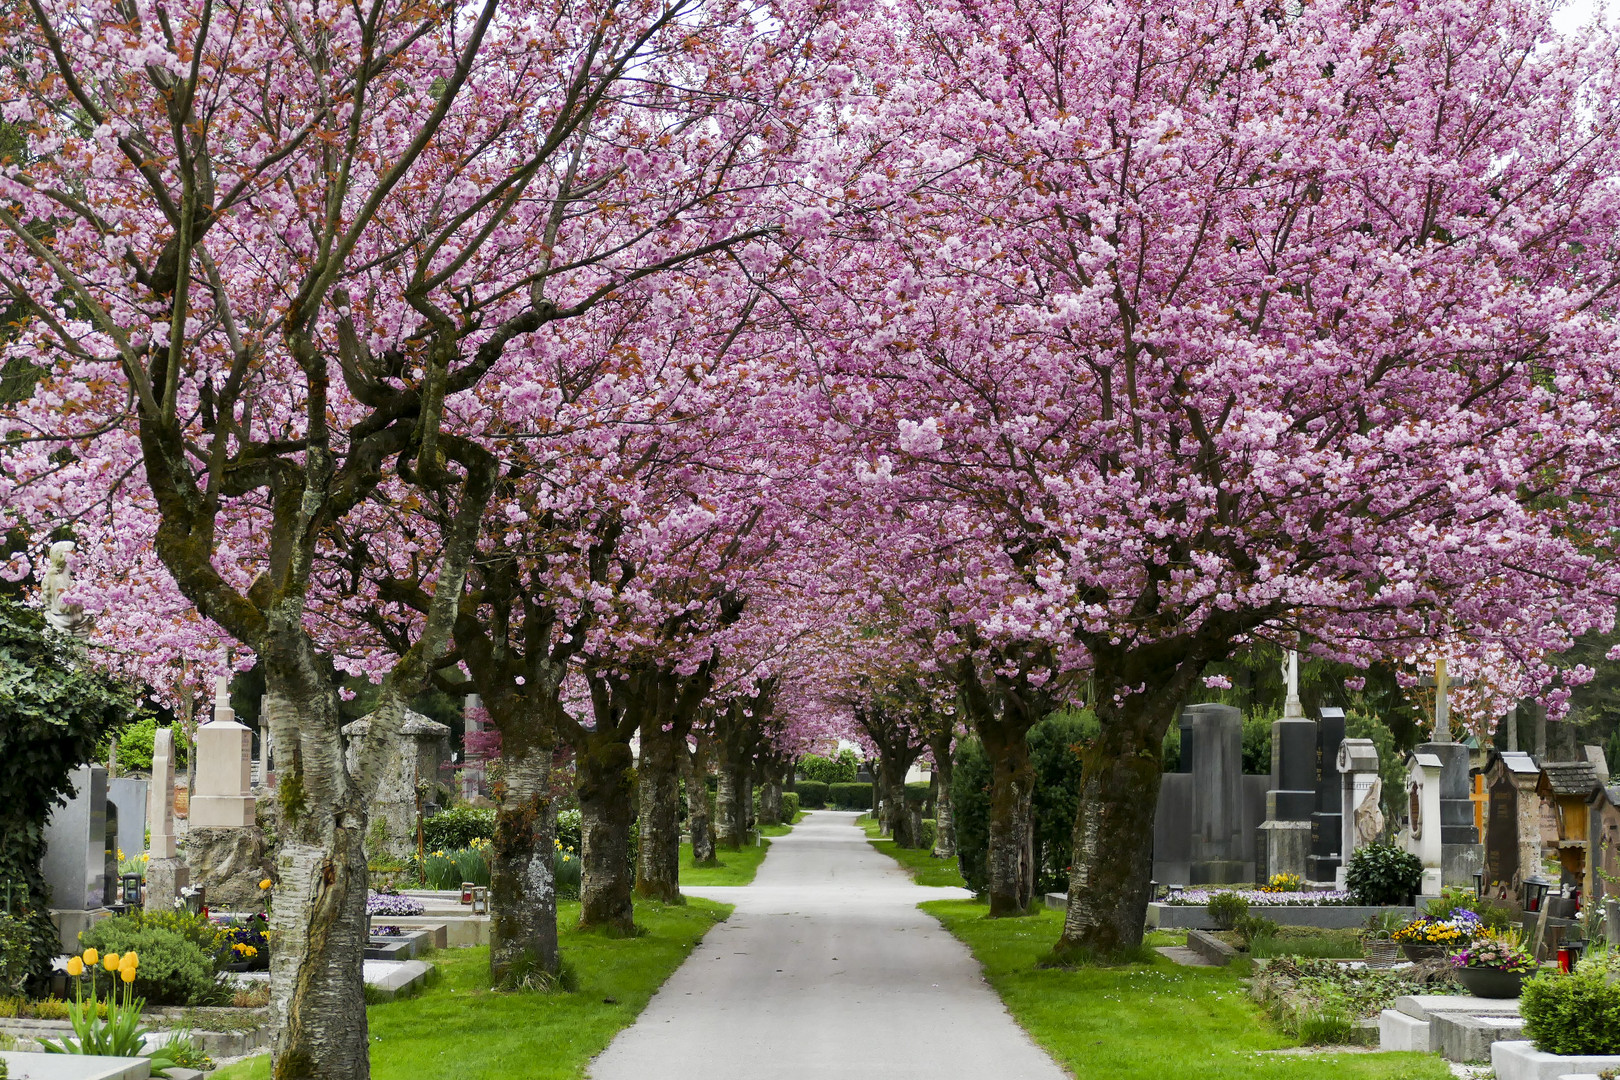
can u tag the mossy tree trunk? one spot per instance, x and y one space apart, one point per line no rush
606 782
940 740
699 811
658 852
523 882
1112 863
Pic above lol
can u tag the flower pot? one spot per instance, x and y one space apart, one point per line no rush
1422 951
1491 982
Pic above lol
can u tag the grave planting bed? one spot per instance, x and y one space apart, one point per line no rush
1323 916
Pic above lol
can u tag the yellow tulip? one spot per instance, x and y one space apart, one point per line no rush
110 961
131 958
265 884
90 957
127 974
75 966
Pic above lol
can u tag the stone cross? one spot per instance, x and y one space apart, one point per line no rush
1292 708
1442 708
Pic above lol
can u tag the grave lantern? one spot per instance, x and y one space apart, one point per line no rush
1175 892
1479 884
196 899
480 900
129 889
1534 893
467 892
1154 890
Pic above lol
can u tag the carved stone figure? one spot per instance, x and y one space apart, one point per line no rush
66 617
1369 815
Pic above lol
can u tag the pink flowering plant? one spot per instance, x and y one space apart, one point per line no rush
1500 952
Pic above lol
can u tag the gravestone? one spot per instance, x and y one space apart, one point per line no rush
130 796
166 874
412 760
1291 799
1603 824
223 798
1512 838
1326 819
1217 848
76 851
1422 836
1360 797
224 847
475 726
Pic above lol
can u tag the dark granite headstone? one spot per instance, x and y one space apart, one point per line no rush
1292 795
1502 832
1327 820
1217 796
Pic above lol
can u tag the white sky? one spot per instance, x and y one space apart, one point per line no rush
1576 12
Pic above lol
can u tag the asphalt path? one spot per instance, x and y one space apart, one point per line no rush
826 970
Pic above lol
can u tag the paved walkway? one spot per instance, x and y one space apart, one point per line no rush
826 971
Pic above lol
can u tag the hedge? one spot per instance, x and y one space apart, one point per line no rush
458 827
790 806
812 794
850 796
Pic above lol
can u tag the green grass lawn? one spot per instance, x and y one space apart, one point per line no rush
736 867
1147 1021
459 1030
919 862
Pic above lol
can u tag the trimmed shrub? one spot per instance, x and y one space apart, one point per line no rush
812 794
135 744
1577 1013
1382 873
970 804
836 770
930 834
917 794
850 796
1226 908
790 806
173 970
458 827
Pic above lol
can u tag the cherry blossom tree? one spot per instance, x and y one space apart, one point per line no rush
265 259
1261 322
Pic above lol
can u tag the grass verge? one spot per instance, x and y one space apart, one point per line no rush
1150 1020
459 1030
736 867
919 862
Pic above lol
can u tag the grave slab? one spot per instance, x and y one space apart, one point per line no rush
1428 1006
1398 1031
1522 1061
393 978
1470 1038
24 1066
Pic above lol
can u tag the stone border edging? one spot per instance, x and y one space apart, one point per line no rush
1211 948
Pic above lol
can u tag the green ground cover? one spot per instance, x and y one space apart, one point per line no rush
736 867
919 862
1147 1021
459 1030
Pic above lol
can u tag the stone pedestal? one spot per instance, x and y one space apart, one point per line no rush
1326 820
164 880
228 862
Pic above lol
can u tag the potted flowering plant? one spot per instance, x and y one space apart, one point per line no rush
1493 965
1426 937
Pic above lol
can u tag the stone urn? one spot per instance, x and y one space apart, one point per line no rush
1487 982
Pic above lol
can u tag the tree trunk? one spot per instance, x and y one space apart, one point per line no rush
658 855
1112 864
699 816
605 779
317 995
770 800
522 880
944 821
734 800
1012 785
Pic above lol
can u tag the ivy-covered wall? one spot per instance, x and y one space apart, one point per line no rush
54 707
